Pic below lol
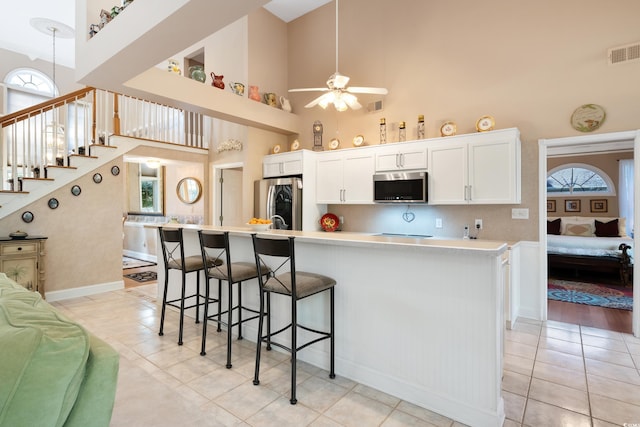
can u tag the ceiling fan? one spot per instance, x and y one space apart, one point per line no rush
337 92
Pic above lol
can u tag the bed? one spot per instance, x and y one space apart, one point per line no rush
590 244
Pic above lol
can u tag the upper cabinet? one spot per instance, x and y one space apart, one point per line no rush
404 156
283 164
345 177
482 168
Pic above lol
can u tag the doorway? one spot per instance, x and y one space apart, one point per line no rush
227 195
580 145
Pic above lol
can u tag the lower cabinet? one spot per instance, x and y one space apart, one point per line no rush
23 261
344 177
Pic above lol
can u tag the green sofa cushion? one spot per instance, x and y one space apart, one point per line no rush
44 356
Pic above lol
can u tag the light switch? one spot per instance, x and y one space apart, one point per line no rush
438 222
520 213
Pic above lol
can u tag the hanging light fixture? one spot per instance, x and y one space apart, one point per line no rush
54 29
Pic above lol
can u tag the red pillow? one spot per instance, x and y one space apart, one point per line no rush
553 227
607 229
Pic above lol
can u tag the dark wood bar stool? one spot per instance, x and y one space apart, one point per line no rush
174 259
285 280
216 245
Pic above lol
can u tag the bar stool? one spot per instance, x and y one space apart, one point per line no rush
174 259
280 254
216 245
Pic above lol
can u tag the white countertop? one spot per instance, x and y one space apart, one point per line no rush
486 247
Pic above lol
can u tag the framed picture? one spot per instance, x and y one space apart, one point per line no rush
572 205
551 205
599 205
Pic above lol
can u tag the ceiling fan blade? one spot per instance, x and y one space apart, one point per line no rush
372 90
310 89
318 100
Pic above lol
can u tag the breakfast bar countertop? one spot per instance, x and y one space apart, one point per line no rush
345 238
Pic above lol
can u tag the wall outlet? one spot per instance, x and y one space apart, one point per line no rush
519 213
438 222
479 224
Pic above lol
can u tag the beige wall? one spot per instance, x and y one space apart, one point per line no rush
530 65
608 163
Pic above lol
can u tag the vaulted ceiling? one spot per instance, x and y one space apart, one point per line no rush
18 35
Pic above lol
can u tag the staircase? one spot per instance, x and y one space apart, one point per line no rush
88 135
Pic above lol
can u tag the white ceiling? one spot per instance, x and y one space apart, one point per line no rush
16 33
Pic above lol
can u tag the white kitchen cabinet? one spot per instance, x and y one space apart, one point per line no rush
282 164
402 156
476 169
345 177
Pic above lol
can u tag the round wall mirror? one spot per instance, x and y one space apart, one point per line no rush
189 190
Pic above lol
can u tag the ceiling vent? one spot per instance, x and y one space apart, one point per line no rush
624 54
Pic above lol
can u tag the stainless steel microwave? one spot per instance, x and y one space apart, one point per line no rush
400 187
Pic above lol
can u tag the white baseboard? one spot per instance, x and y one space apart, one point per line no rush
83 291
140 255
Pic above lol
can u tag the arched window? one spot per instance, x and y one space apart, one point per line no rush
579 179
32 80
27 87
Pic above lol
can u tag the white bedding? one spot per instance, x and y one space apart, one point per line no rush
592 246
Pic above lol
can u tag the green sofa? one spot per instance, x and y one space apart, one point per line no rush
52 371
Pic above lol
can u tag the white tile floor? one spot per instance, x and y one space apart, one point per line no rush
555 374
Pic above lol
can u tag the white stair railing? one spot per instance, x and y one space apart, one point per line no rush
49 133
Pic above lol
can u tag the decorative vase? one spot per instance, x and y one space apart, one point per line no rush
254 93
196 72
217 80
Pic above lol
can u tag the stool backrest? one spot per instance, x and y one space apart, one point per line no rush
172 247
215 247
276 254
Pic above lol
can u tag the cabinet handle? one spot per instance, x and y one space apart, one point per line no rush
401 160
19 248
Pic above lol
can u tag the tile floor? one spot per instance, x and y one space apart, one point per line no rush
555 374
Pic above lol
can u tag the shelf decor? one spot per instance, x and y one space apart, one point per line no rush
229 145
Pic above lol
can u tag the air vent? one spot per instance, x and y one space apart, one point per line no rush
372 107
624 54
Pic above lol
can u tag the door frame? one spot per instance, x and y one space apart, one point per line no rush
216 172
611 141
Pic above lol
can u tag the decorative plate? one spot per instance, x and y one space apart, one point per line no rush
334 143
53 203
276 149
27 216
448 129
115 170
329 222
588 117
295 145
358 140
485 123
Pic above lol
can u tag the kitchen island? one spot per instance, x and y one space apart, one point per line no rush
420 319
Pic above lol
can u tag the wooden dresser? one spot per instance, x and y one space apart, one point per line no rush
22 260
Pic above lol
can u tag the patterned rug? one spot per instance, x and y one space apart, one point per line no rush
590 294
144 276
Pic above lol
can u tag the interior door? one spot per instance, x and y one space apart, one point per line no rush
230 198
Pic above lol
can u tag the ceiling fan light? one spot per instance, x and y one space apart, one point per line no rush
350 99
340 104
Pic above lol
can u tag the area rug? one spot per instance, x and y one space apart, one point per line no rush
128 262
144 276
590 294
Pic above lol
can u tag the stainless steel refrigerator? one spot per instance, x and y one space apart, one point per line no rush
279 199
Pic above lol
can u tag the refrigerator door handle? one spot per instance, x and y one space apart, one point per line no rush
270 201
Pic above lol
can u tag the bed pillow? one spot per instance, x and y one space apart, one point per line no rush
607 229
553 227
583 229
